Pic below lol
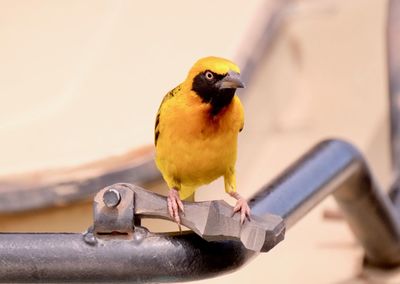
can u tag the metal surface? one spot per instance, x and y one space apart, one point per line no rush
17 196
145 258
111 198
114 250
212 220
393 63
117 218
393 59
336 167
257 45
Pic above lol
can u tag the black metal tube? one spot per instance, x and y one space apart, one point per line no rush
336 167
147 258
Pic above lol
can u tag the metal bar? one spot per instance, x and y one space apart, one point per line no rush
336 167
211 220
393 59
113 250
16 197
147 258
255 48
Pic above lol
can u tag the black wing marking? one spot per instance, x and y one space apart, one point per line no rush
168 96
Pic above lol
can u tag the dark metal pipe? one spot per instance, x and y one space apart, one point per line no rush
336 167
145 258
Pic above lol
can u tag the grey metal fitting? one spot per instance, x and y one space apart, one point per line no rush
111 198
113 210
117 206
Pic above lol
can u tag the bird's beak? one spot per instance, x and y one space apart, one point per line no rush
230 81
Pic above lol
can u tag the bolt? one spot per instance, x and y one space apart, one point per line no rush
89 237
111 198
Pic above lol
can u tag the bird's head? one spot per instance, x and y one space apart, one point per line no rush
215 81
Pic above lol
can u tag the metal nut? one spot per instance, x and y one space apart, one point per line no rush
111 198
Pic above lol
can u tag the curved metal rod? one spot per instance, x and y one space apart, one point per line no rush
336 167
52 188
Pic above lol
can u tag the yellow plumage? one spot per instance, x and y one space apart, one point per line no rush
195 146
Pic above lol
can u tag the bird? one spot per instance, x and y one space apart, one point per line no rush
196 133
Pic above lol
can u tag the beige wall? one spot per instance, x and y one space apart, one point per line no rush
80 80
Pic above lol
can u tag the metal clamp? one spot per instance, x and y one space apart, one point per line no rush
113 210
117 206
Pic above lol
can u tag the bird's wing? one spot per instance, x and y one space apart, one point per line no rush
241 113
167 97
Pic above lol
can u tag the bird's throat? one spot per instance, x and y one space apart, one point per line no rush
219 101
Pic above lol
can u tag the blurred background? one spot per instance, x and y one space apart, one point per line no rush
81 81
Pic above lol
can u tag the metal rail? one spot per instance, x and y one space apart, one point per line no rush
148 258
336 167
73 184
332 166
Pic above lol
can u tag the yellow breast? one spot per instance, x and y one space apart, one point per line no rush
195 148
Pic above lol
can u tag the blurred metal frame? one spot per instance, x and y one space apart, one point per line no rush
61 187
393 64
336 167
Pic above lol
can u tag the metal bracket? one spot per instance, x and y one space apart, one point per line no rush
113 210
117 206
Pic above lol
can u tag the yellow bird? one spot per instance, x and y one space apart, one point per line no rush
196 132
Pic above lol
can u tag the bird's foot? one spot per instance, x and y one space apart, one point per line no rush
244 209
174 204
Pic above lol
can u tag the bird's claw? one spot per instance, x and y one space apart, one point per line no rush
174 204
243 207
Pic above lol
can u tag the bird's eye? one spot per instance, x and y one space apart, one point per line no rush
209 75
